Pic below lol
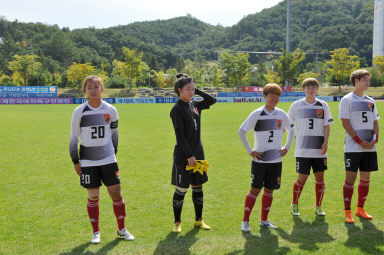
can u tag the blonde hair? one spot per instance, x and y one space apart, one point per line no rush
271 88
310 82
92 78
358 74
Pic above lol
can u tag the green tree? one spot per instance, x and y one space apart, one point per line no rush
25 65
132 70
171 76
216 75
159 78
288 63
235 67
341 65
304 76
272 77
378 61
78 72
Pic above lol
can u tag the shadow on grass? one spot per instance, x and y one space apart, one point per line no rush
81 249
366 239
308 234
266 243
176 244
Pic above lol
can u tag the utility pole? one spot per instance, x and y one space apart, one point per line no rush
287 48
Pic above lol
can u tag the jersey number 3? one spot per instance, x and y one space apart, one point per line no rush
97 132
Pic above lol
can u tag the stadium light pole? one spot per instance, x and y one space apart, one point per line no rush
287 48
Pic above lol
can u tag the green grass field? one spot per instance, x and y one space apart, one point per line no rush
43 207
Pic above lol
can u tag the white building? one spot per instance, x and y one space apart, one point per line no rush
378 29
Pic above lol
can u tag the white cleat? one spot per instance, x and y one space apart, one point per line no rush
125 234
268 224
245 226
96 238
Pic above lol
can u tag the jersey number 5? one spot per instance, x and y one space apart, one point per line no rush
97 132
364 116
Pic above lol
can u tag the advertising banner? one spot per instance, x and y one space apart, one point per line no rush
36 101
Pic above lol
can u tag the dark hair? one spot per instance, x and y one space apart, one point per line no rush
310 82
358 74
181 82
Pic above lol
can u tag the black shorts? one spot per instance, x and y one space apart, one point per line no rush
363 161
303 165
92 176
183 178
266 175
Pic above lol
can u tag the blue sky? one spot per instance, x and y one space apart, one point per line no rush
100 14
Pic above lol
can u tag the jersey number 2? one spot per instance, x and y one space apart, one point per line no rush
97 132
270 137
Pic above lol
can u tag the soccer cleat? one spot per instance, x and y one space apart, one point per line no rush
267 224
201 224
295 209
245 226
96 237
125 234
348 216
177 227
319 211
360 211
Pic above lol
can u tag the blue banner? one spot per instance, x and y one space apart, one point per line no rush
135 100
82 100
27 95
161 100
258 94
29 89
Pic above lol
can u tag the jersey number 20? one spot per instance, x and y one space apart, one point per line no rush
97 132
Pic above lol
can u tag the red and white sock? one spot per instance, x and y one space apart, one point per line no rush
347 194
320 187
297 188
93 213
249 203
266 202
119 210
362 190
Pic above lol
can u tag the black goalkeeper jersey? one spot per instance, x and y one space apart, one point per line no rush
186 118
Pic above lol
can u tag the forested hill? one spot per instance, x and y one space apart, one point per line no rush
316 25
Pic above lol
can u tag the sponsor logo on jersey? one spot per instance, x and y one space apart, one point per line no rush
117 174
319 113
278 123
107 118
370 106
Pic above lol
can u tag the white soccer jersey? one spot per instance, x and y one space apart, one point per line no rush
361 112
97 129
310 120
268 131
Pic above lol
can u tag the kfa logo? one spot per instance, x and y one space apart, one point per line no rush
320 113
278 124
107 118
370 106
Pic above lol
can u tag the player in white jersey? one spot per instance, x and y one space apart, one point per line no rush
359 115
95 122
268 123
312 118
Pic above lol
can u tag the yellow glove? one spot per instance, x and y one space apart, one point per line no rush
201 167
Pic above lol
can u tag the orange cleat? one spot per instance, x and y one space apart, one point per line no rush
362 213
348 216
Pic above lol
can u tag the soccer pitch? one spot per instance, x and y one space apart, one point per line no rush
43 207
